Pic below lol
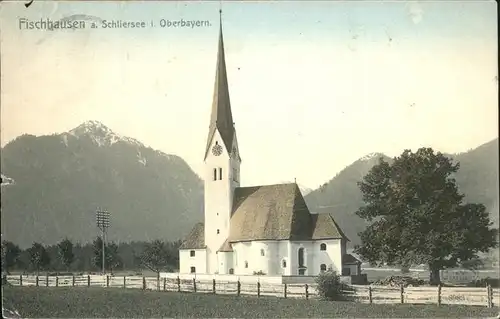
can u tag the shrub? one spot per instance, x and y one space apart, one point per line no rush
329 286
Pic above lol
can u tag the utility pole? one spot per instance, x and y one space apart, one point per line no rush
103 224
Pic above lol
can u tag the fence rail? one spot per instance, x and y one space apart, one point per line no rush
482 296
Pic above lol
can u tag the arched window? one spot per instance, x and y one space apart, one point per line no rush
262 252
246 264
192 253
301 257
193 270
322 246
231 271
323 267
283 263
218 231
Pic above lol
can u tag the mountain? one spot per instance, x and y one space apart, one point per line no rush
61 179
477 179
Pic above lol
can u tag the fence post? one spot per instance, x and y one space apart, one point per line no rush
402 294
107 281
491 296
164 283
284 290
178 284
73 281
370 297
239 286
213 286
36 280
439 295
57 281
258 288
490 300
47 280
143 283
194 284
88 280
307 291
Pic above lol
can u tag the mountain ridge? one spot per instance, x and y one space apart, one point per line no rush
477 179
61 179
57 181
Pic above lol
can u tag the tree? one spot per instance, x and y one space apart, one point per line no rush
65 251
418 215
156 256
39 257
112 261
10 255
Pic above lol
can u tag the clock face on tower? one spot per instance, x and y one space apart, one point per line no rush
217 149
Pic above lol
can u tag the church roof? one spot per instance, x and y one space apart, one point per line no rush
277 212
226 247
270 212
221 118
195 239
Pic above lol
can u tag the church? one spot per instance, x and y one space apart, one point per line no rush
265 230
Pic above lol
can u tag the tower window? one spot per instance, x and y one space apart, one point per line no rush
283 263
220 173
322 267
193 270
215 174
322 246
246 264
192 253
218 231
262 252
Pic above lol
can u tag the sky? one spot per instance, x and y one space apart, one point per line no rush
313 85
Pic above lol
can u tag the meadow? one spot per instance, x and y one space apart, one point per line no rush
87 302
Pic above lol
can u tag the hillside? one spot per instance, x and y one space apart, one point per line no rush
477 178
60 181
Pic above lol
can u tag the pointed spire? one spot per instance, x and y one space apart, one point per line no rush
221 117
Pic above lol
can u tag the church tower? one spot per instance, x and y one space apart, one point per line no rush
222 163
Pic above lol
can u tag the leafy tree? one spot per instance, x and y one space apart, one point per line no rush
156 256
66 255
329 286
113 260
418 215
10 255
39 257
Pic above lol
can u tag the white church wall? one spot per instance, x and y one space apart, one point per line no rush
198 261
308 254
265 256
331 257
225 262
314 257
218 200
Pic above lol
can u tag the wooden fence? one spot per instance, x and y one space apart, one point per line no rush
482 296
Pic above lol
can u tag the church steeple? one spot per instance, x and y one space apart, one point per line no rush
221 118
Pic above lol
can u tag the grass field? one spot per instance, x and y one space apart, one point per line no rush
131 303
